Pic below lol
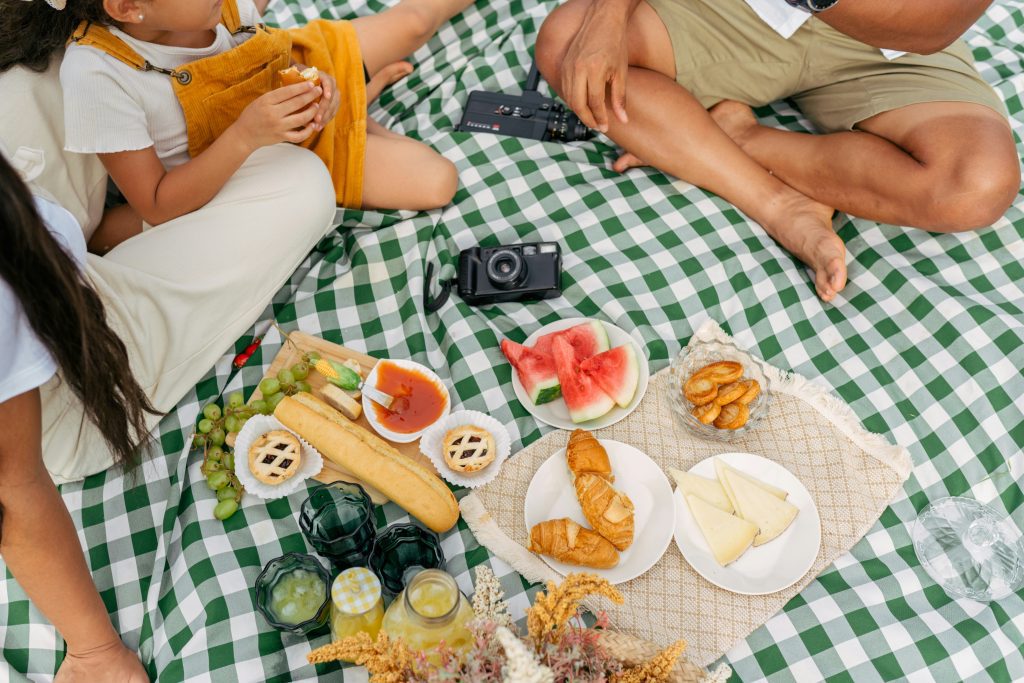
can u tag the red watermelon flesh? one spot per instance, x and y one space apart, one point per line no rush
583 397
587 339
617 372
536 371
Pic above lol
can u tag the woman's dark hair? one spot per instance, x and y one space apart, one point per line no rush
30 32
67 316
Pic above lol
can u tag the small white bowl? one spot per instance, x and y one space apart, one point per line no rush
369 409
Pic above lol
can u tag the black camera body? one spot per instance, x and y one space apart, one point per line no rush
530 115
517 272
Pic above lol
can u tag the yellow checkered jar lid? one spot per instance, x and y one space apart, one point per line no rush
355 591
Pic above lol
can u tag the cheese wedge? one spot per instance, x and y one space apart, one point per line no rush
727 535
720 465
708 490
754 504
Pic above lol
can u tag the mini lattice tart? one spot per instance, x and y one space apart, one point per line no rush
469 449
275 457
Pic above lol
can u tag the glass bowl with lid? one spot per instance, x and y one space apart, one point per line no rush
697 356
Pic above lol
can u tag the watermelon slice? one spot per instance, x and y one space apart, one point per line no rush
617 372
587 339
536 371
584 399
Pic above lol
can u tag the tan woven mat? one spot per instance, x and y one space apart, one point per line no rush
852 474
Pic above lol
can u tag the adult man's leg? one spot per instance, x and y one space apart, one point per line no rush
672 131
941 166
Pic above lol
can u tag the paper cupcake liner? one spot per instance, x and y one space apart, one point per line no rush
255 427
371 414
430 446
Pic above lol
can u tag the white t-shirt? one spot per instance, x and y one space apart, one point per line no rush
786 19
24 362
112 107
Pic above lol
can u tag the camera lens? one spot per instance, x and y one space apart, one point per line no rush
506 269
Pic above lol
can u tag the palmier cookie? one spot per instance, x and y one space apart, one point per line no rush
275 457
469 449
753 389
700 390
721 372
707 412
730 392
733 416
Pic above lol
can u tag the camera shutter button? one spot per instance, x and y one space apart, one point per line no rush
526 113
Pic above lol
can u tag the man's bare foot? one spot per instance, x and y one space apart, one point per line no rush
627 161
389 75
735 118
804 228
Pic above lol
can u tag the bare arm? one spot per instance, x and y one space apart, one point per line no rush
40 546
159 195
261 5
919 26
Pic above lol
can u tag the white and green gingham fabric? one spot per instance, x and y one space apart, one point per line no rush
926 344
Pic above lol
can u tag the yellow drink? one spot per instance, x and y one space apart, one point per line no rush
297 596
430 610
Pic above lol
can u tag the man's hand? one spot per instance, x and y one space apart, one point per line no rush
595 67
114 663
282 115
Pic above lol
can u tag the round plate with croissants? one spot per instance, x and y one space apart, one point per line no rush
601 505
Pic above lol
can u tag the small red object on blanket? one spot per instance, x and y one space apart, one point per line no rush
243 358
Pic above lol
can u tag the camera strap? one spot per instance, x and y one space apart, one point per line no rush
432 305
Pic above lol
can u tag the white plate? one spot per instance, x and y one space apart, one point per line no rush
769 568
551 495
555 413
371 413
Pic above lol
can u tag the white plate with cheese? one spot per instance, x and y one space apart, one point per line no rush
767 494
551 495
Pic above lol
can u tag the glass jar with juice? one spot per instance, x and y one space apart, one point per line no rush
430 610
357 605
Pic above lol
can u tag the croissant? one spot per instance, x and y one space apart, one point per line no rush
566 541
610 512
586 454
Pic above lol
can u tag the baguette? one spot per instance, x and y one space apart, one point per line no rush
413 487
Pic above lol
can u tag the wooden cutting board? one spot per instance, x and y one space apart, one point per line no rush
290 354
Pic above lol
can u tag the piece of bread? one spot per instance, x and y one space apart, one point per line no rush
339 399
700 390
413 487
292 75
721 372
566 541
733 416
609 511
584 453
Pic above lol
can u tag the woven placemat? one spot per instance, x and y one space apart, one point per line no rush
852 474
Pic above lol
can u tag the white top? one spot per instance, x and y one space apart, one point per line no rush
24 362
112 107
786 19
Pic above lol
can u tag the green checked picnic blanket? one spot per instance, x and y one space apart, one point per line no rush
925 344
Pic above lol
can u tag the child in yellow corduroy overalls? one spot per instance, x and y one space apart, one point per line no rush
134 68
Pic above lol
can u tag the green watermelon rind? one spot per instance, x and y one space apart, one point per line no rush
546 393
601 334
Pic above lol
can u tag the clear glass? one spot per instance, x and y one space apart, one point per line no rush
344 625
337 520
293 593
969 549
695 357
430 610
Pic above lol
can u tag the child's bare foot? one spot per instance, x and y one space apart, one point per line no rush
389 75
735 118
804 228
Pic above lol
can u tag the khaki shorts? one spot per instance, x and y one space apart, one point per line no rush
724 51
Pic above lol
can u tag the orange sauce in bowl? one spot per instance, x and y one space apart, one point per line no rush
418 401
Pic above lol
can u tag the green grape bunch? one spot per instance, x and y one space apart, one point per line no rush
219 469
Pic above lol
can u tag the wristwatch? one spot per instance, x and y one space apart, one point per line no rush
813 6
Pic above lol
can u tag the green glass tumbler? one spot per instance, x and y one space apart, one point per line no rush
337 520
293 593
403 550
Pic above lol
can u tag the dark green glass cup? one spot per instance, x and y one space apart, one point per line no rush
337 520
293 593
401 551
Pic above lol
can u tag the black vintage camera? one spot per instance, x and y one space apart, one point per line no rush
517 272
530 115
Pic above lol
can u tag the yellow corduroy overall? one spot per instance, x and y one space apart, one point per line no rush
214 90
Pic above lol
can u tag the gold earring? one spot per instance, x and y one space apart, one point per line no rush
141 17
